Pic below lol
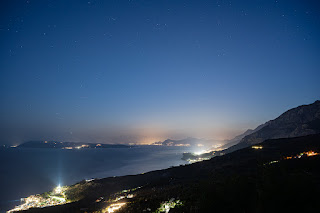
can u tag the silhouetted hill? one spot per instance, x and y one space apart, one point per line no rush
238 138
185 142
299 121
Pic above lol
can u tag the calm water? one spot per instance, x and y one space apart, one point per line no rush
30 171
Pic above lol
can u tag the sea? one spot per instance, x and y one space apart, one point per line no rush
28 171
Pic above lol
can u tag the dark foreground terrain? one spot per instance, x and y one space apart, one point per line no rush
273 178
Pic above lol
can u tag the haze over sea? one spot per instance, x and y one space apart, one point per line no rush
26 171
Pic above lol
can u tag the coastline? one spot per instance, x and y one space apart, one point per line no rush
83 164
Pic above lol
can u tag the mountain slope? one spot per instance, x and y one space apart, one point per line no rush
299 121
238 138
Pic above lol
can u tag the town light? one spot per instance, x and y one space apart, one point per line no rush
114 207
200 152
58 189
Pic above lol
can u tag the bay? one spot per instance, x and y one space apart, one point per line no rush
26 171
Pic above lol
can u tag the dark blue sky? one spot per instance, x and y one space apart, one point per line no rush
141 71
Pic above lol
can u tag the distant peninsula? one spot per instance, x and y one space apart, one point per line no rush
69 145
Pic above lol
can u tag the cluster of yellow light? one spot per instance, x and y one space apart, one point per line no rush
308 154
37 201
68 147
181 144
119 198
114 207
311 153
82 146
256 147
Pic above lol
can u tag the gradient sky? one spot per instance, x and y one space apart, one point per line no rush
141 71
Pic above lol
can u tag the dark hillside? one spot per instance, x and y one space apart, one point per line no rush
247 180
300 121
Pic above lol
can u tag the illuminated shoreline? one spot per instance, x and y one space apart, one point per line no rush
53 198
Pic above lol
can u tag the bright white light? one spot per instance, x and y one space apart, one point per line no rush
200 152
114 207
58 189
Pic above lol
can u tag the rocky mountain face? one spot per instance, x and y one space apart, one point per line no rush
299 121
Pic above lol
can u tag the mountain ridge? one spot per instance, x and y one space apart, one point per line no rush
299 121
238 138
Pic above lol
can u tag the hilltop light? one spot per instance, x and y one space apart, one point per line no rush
58 189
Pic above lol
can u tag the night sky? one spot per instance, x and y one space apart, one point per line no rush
142 71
